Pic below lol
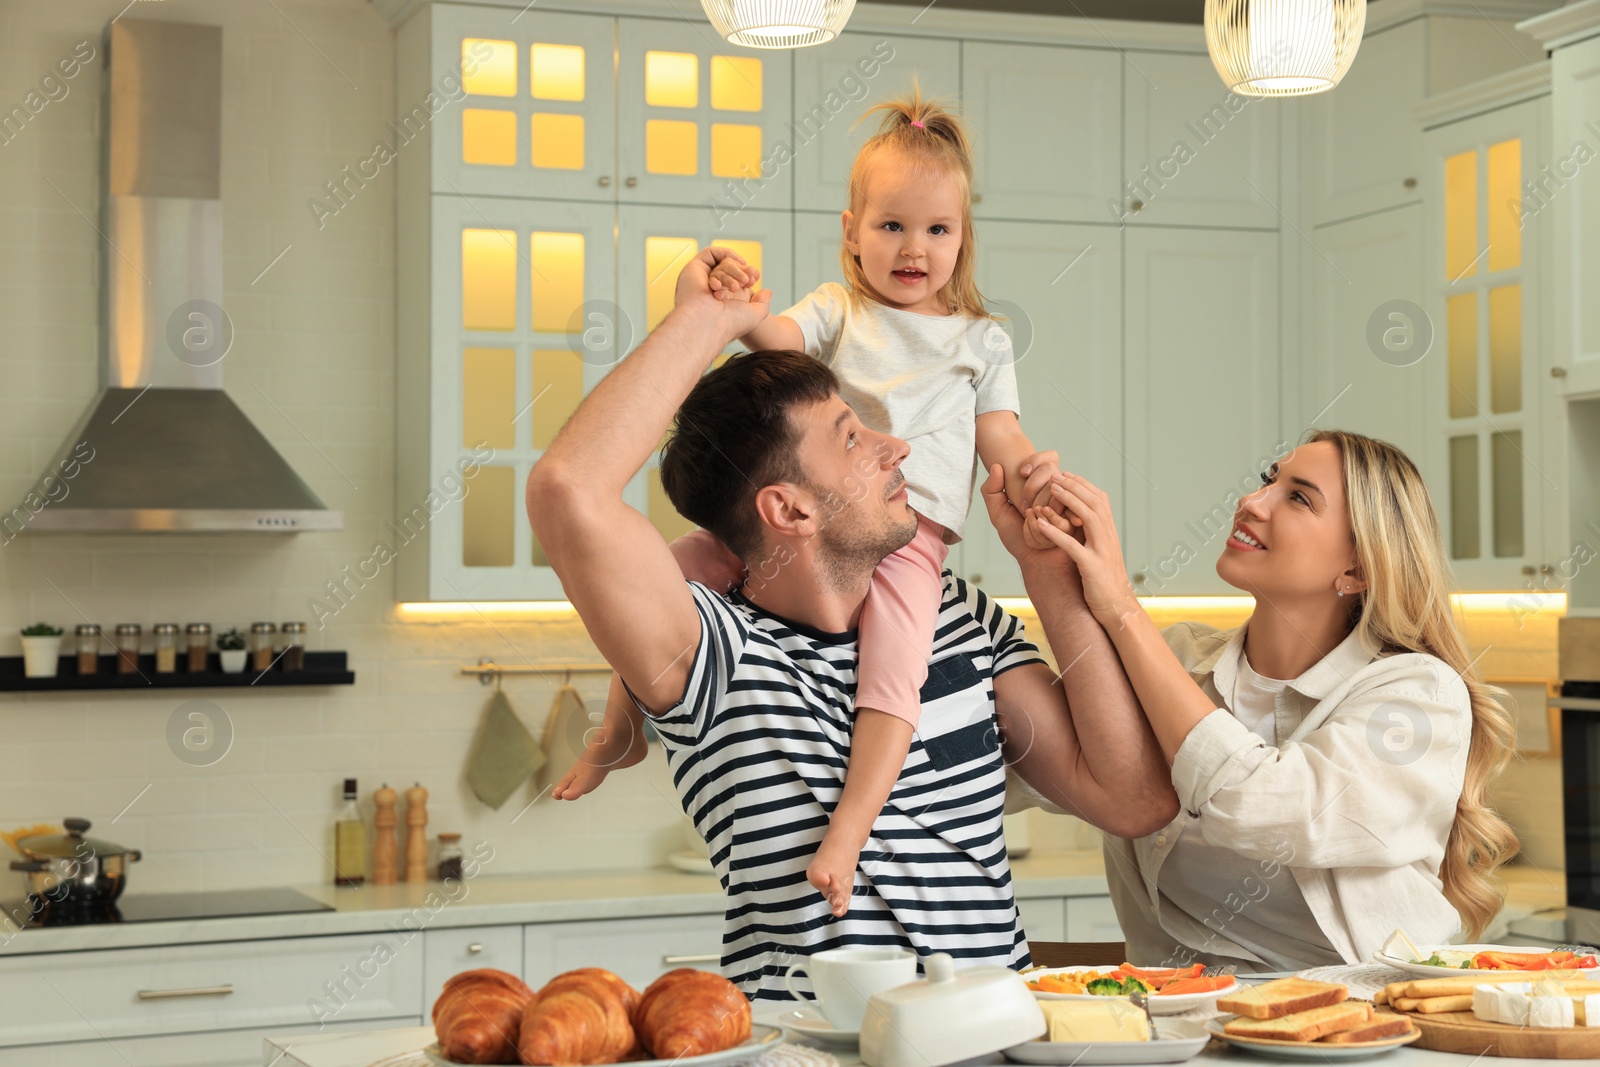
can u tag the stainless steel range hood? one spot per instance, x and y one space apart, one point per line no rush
169 450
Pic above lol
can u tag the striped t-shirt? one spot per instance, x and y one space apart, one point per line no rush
758 749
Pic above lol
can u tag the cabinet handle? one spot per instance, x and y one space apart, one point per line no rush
605 181
198 991
1138 578
1135 206
1527 572
631 182
977 198
474 949
1558 372
975 579
1410 183
709 957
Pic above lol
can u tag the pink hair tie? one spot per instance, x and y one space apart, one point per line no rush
918 125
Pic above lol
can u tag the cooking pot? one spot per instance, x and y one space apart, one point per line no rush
72 868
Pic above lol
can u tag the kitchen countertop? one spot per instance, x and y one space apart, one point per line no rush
496 900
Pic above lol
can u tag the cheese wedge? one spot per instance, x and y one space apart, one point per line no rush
1524 1004
1102 1019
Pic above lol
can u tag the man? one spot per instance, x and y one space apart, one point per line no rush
752 692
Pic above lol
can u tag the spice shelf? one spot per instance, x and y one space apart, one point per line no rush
322 668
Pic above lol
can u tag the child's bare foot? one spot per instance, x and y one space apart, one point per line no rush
832 872
616 744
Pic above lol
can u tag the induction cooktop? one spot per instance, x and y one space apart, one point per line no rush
162 907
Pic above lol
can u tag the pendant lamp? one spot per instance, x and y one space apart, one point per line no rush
778 23
1283 47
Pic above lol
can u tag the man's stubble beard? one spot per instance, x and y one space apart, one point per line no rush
851 546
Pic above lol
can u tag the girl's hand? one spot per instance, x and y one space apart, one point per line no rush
1030 547
1088 535
1038 471
733 274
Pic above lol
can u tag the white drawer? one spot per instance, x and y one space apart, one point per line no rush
638 950
1043 919
230 1048
1092 919
299 982
449 952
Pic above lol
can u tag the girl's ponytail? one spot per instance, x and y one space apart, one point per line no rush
922 131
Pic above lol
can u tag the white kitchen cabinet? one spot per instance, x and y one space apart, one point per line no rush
1196 154
1573 200
1202 409
1059 288
1357 274
451 950
1361 149
699 121
1092 919
1043 918
130 993
835 83
1491 400
1046 127
538 118
225 1048
637 950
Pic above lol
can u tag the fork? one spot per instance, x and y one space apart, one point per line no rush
1219 971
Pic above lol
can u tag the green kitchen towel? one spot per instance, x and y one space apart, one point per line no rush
504 756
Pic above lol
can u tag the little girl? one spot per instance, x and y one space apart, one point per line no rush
917 357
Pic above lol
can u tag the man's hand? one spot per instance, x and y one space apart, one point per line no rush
1032 549
733 318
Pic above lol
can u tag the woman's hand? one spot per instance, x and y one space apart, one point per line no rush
1087 534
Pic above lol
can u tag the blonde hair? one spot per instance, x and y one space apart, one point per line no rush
935 138
1406 608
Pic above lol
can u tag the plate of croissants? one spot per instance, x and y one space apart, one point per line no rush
686 1017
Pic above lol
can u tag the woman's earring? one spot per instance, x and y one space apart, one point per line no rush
1339 591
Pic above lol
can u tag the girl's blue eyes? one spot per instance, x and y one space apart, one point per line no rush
938 230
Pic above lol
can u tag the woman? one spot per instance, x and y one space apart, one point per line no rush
1331 756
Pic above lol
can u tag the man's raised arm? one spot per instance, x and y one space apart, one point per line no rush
1082 741
615 567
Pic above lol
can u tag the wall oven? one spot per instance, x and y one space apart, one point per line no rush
1580 765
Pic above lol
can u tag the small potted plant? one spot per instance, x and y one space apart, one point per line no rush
41 650
230 647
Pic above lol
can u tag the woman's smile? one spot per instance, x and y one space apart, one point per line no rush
1244 539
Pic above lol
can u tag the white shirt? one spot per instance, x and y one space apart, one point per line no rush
1255 701
923 378
1356 801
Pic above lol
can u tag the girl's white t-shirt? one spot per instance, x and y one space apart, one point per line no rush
922 378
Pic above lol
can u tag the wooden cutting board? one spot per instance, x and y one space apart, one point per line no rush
1464 1032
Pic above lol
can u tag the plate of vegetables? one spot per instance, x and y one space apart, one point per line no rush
1172 990
1432 961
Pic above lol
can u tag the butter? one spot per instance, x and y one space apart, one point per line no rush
1101 1019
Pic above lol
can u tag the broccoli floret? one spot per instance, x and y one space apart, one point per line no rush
1105 987
1132 982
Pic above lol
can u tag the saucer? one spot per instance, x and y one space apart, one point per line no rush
818 1029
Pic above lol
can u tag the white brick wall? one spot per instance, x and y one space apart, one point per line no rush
316 335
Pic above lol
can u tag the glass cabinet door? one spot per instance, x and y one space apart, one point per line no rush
701 122
524 326
535 111
653 244
1488 461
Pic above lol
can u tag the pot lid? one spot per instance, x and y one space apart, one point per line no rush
71 845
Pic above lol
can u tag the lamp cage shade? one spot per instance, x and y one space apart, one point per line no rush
778 23
1283 47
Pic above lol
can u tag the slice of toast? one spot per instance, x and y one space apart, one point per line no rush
1305 1025
1380 1027
1285 996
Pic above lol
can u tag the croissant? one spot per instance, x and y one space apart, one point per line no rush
690 1013
479 1015
580 1017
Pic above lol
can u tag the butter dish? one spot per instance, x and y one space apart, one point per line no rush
949 1016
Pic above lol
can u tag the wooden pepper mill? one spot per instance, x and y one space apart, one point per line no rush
384 847
417 835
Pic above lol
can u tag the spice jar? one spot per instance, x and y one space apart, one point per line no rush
128 647
449 857
199 646
166 647
294 646
261 634
88 648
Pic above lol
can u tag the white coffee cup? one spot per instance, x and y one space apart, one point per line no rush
843 978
